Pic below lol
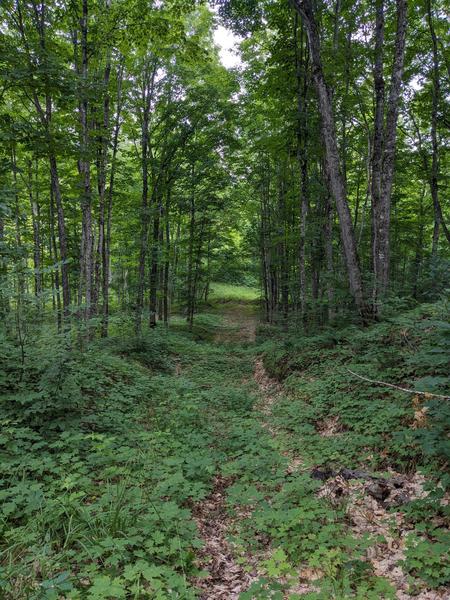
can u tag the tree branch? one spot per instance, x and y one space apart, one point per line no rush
397 387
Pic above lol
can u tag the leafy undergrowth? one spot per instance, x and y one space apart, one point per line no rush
378 426
84 472
108 455
103 454
335 420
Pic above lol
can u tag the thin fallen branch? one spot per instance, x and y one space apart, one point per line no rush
397 387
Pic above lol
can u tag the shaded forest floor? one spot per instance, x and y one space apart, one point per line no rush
232 462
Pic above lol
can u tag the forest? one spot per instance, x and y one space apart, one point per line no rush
224 299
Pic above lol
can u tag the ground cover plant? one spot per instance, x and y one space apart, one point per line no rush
104 473
224 299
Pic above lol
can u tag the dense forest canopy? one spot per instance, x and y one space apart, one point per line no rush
136 169
154 201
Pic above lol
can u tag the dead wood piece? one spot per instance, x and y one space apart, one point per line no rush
398 387
355 474
324 473
379 490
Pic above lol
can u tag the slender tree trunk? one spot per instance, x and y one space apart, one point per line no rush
166 258
4 299
147 94
208 268
160 288
63 254
54 253
106 250
190 273
329 257
377 151
102 161
21 259
417 262
383 188
434 176
35 221
302 90
284 274
305 9
87 237
154 268
368 190
265 258
45 117
196 274
176 252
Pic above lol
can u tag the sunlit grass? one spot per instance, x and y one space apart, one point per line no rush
225 292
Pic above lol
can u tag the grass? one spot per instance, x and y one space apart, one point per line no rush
225 292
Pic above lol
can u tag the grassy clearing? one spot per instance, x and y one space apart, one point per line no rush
225 292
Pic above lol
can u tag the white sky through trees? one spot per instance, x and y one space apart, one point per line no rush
227 42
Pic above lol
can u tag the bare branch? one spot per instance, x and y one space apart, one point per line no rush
397 387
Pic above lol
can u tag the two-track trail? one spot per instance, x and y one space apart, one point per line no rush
225 578
227 570
249 407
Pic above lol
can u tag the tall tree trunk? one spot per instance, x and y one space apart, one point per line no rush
106 250
45 118
264 249
102 161
21 257
190 271
87 237
305 9
377 146
382 204
284 273
434 175
302 90
147 94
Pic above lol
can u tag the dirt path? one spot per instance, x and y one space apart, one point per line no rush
226 579
239 323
